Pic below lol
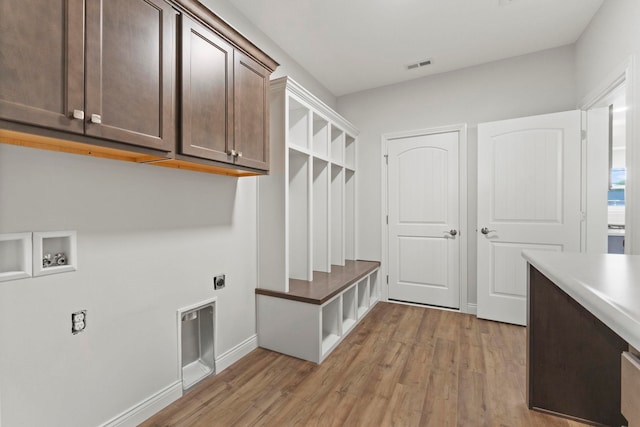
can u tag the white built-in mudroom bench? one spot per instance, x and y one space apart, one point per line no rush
311 290
313 317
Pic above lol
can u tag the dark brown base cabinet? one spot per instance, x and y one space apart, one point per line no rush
573 359
106 74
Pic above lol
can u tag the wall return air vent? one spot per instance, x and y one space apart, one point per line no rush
422 63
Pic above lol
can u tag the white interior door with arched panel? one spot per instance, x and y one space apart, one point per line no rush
425 195
529 197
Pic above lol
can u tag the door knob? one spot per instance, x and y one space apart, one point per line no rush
453 232
485 230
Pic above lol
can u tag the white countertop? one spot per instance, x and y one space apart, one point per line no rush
606 285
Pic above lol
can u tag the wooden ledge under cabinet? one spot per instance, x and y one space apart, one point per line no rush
324 285
205 166
46 139
57 141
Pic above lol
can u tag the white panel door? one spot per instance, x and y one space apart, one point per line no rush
424 249
528 198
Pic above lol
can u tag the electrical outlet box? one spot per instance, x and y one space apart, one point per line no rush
78 321
219 282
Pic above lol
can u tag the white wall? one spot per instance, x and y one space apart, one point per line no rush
537 83
612 37
150 241
288 67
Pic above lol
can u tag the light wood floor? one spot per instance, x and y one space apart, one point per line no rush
401 366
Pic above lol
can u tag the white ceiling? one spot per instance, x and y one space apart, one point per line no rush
353 45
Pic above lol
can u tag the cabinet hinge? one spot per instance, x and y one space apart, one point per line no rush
583 134
387 279
386 158
583 216
387 219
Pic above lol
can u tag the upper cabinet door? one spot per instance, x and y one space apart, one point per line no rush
42 63
207 93
129 71
251 109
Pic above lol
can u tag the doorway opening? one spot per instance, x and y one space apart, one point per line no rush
617 172
614 203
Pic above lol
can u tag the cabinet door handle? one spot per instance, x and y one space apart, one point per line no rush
96 118
239 154
232 153
78 114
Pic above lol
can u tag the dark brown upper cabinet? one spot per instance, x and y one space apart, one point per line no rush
42 63
130 57
127 49
207 93
251 113
225 102
114 78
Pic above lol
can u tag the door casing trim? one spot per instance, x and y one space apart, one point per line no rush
464 228
623 74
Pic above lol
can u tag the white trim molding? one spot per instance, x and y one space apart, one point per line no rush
472 308
625 74
163 398
464 229
620 75
231 356
148 407
306 97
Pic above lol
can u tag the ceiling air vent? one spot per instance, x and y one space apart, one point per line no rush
419 64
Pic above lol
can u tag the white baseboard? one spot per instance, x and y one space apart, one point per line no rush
230 357
432 307
153 404
148 407
472 308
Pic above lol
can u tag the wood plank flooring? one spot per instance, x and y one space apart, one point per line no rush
401 366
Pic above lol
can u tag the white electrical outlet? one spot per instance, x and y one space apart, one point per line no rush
78 321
